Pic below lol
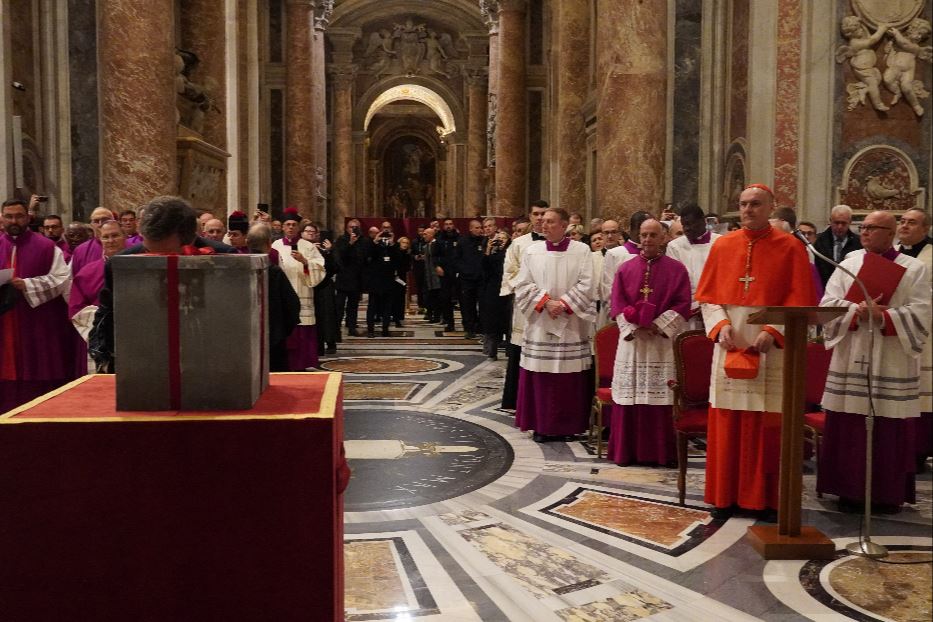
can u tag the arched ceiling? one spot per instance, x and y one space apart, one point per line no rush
420 94
459 15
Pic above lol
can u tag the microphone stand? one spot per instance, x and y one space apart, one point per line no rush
864 546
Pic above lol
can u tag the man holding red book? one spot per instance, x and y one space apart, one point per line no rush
900 309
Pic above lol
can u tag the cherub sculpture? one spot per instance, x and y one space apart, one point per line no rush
862 59
901 56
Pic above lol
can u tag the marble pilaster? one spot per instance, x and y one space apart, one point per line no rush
631 109
571 29
137 101
299 107
476 143
342 78
490 12
322 12
787 103
511 103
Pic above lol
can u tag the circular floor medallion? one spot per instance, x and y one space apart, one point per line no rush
404 459
382 365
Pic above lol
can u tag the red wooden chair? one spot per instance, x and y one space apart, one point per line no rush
605 343
693 361
814 419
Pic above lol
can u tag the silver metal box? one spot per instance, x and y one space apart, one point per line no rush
190 332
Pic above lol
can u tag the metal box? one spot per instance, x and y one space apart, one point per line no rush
190 332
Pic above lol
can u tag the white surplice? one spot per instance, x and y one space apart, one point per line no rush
510 269
926 358
693 256
556 345
613 259
302 282
895 359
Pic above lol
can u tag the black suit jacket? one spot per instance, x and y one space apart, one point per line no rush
824 244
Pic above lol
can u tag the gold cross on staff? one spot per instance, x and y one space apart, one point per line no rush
646 290
747 280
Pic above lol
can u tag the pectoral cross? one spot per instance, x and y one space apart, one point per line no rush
862 363
747 280
646 290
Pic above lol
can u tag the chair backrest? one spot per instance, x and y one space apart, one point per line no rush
605 344
818 360
693 362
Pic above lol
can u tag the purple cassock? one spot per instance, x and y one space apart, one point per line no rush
893 460
632 247
65 249
37 344
85 287
553 404
85 253
642 428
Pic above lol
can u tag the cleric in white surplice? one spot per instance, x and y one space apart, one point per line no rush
901 328
554 291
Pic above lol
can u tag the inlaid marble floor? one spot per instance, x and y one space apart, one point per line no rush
453 514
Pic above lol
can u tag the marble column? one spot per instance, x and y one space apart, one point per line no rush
342 78
571 29
322 11
511 116
136 51
631 109
476 143
490 12
299 108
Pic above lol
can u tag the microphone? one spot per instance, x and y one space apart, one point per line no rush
864 545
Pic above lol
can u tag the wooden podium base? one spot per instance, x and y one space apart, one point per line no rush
810 544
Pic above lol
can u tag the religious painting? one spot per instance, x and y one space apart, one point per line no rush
410 167
880 178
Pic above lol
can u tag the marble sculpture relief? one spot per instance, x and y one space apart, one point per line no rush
900 35
409 49
194 100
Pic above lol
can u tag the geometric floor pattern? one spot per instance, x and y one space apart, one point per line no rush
453 514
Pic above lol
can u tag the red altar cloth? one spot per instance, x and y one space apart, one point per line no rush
232 515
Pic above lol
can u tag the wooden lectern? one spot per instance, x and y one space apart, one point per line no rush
789 540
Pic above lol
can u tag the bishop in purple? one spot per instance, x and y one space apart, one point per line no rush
650 301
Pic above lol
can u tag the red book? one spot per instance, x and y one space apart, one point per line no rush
880 276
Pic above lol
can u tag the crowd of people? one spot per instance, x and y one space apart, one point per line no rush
542 289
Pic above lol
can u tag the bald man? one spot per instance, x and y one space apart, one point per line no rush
214 229
754 267
891 357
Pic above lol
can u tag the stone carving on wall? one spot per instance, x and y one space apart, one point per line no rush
900 34
735 177
193 100
489 9
880 177
409 49
901 54
492 110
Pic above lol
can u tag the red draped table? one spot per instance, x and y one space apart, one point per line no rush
229 515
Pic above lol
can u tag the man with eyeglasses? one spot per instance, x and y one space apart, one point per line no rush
37 343
889 356
53 229
92 250
913 232
836 241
